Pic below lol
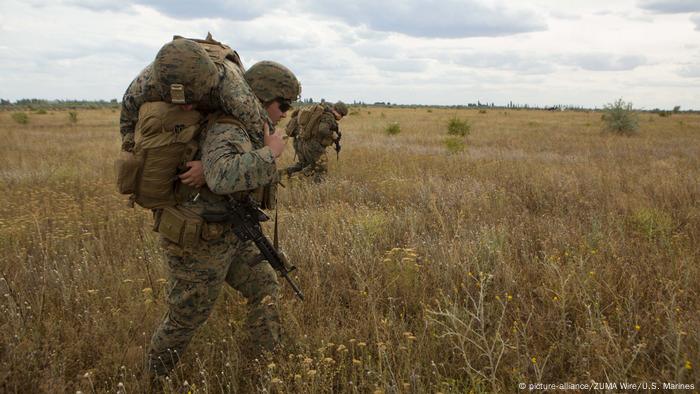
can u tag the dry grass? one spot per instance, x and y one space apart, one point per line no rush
545 251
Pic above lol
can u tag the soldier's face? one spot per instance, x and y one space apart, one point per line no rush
275 112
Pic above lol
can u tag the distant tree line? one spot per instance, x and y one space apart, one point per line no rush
32 104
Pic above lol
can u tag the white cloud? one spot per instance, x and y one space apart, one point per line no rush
221 9
407 52
506 60
606 61
670 6
690 71
213 9
435 18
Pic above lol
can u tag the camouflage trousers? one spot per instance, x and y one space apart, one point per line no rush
196 278
312 159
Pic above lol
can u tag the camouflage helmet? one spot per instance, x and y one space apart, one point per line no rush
341 108
184 72
270 80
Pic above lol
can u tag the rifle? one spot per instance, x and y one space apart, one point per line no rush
337 146
246 219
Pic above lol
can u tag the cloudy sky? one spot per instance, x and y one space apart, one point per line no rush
539 52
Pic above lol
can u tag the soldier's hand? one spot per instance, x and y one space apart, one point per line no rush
194 176
273 141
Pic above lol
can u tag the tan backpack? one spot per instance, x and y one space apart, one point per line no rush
165 139
308 120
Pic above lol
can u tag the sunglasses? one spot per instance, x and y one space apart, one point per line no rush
284 104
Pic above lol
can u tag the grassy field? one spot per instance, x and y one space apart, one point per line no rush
536 250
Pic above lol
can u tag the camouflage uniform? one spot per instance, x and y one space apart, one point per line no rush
311 152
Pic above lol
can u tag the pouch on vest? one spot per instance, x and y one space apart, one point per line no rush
127 167
265 196
165 139
181 226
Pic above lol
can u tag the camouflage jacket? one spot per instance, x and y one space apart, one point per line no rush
236 164
232 96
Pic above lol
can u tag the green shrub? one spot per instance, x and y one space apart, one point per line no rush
454 144
392 128
430 111
652 223
41 111
72 116
620 118
458 127
20 117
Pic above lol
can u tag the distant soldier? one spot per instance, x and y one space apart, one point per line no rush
314 129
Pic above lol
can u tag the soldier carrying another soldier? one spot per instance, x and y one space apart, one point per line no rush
236 151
